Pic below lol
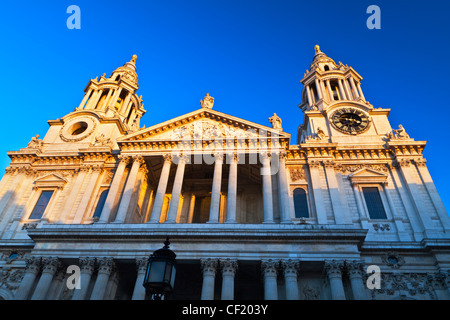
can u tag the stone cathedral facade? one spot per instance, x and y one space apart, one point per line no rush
250 213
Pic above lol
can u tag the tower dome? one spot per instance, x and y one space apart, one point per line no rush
322 61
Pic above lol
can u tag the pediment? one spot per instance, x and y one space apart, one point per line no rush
50 180
204 124
366 175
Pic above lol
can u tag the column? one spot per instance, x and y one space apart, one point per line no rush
321 214
176 190
85 98
341 88
348 90
129 189
432 191
82 171
319 89
113 101
232 189
358 84
113 190
92 183
87 266
355 91
139 290
209 268
333 189
308 94
416 197
161 191
362 213
285 214
57 287
356 274
333 269
111 287
105 266
290 268
94 99
24 179
402 234
33 265
229 268
49 267
267 188
125 104
216 187
330 91
269 269
105 102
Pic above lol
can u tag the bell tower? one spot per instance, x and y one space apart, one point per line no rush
109 109
334 106
115 96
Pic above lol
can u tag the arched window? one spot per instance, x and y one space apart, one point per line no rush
300 203
100 204
326 68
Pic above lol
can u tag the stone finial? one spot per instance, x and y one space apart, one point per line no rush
133 58
317 48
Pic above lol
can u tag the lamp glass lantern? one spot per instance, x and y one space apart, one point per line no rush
159 278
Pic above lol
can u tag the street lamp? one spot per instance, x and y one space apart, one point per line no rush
160 275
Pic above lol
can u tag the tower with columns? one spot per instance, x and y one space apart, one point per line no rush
250 213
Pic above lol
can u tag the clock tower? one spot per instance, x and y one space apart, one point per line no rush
335 109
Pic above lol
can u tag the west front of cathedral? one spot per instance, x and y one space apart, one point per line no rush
250 213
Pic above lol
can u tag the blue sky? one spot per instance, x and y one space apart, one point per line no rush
249 55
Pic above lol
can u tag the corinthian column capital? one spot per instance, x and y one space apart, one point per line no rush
209 266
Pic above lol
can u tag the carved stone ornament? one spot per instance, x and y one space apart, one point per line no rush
102 141
404 286
346 168
393 260
381 226
297 174
11 278
311 293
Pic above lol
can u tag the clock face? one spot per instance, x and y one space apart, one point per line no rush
350 120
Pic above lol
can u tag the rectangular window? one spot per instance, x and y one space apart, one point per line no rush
374 203
41 205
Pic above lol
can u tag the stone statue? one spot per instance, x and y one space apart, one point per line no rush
276 121
207 102
35 142
400 133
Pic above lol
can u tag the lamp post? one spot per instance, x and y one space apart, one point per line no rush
160 275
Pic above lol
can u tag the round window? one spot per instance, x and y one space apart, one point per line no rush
78 128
